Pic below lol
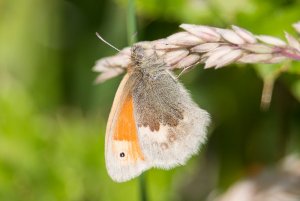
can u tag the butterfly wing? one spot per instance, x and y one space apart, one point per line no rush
153 121
171 127
123 154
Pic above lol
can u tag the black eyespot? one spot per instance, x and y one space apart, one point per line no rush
122 154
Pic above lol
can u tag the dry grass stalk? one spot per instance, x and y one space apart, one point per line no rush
214 47
280 183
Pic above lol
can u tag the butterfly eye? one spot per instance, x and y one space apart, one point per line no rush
122 154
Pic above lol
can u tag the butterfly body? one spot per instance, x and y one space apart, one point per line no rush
153 121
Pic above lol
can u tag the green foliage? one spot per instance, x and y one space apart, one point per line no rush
52 118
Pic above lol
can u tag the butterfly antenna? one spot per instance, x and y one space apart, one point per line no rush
107 43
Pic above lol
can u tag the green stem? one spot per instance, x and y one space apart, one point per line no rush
143 189
131 32
131 22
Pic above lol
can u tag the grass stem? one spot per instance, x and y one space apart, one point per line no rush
131 38
131 23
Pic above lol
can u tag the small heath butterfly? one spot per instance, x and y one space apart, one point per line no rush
153 121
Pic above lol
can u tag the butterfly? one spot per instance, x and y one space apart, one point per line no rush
153 121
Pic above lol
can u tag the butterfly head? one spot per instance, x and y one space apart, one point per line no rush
145 58
137 54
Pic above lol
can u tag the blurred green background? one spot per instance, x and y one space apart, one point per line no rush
52 117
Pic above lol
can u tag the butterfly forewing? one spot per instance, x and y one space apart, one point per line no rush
124 158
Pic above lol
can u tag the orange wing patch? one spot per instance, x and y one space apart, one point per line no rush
125 134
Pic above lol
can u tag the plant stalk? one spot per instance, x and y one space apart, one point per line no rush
131 38
131 22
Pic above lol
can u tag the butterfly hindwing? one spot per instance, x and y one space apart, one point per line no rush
171 126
